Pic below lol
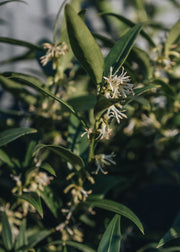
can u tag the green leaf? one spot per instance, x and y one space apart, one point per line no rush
116 208
147 88
18 42
48 168
10 135
33 199
174 34
169 90
82 103
77 144
173 233
21 239
6 159
131 24
80 246
66 154
49 197
7 236
111 239
37 238
27 80
83 45
121 49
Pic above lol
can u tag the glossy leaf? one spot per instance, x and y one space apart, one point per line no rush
116 208
131 24
18 42
66 154
27 80
10 135
33 199
111 239
77 245
174 34
7 236
121 50
83 45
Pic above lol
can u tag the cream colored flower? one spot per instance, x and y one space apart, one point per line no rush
102 160
118 86
54 52
78 193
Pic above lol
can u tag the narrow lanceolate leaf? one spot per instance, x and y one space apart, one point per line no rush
173 233
111 239
11 1
36 238
10 135
7 236
77 245
121 49
33 199
83 45
66 154
131 24
174 34
18 42
32 82
21 239
6 159
116 208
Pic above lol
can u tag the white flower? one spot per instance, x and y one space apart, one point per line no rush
54 52
104 131
114 112
119 85
88 132
102 160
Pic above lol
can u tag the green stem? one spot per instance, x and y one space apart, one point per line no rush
91 148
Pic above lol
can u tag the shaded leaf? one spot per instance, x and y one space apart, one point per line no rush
111 240
33 199
21 239
83 45
116 208
121 50
80 246
147 88
173 233
10 135
66 154
48 167
6 159
7 236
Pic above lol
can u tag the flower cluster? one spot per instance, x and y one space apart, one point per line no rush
54 52
78 193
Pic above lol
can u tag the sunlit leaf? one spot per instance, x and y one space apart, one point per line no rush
10 135
121 49
131 24
33 199
83 45
116 208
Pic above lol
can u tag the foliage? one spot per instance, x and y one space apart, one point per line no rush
99 131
